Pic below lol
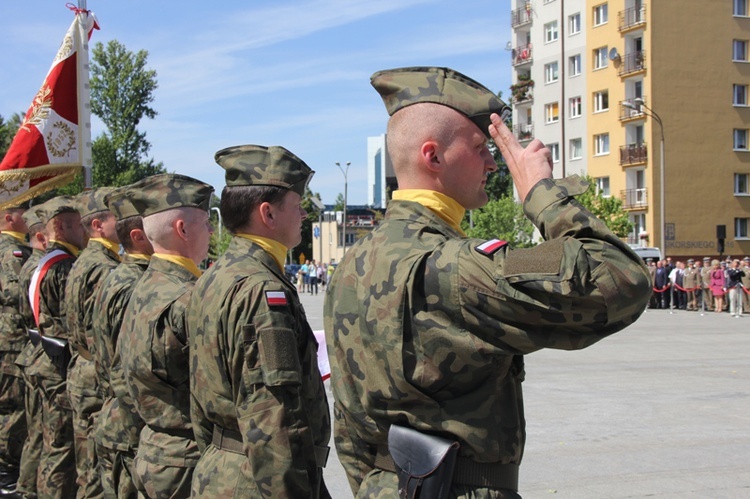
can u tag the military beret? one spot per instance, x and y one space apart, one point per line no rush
31 218
119 203
168 191
690 260
18 206
56 206
90 202
264 166
403 87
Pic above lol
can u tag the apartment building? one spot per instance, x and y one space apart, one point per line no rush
663 119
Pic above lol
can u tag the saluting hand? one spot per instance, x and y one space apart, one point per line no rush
527 165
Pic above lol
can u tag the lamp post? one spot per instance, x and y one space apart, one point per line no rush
639 105
346 173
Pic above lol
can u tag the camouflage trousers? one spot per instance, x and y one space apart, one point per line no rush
57 468
12 417
115 470
157 481
379 484
32 446
86 403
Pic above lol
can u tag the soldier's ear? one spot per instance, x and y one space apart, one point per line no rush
430 156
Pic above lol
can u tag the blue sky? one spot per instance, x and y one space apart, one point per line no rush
294 73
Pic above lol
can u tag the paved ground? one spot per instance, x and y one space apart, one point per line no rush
659 410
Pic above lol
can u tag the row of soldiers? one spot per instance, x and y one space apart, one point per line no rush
96 377
687 286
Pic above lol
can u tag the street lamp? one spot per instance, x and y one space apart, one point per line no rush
345 172
639 105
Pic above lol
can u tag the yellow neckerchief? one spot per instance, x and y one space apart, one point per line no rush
443 206
18 235
273 248
110 245
140 256
73 250
182 261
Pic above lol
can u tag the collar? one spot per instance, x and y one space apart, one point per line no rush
140 256
71 249
273 248
110 245
18 235
443 206
182 261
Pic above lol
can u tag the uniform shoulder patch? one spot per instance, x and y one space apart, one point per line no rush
17 253
491 247
276 299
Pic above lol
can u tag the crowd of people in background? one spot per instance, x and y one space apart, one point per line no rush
705 285
310 275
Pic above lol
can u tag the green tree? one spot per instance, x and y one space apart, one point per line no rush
8 129
306 246
339 204
502 219
607 209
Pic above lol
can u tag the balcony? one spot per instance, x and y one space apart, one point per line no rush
633 154
522 92
628 113
522 55
634 199
631 18
521 16
524 132
632 63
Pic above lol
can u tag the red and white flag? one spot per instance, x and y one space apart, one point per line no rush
54 141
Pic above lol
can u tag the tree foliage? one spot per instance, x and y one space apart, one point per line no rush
607 209
502 219
306 246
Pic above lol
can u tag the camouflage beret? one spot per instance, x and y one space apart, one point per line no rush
168 191
119 203
31 218
403 87
264 166
90 202
56 206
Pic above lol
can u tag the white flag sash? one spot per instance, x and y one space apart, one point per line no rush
35 286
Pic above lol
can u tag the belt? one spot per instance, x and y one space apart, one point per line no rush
83 352
467 471
231 441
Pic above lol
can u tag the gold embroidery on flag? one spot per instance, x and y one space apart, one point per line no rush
39 108
65 49
61 139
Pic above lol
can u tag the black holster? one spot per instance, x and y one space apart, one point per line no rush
58 352
34 336
424 463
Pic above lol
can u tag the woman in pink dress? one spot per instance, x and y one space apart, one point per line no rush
718 284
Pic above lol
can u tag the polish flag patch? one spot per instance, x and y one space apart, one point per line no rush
490 247
276 298
17 253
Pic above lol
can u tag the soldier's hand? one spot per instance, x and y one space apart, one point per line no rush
527 165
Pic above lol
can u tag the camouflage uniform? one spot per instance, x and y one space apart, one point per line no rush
119 426
32 446
153 346
427 329
13 337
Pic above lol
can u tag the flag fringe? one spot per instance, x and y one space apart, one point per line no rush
61 178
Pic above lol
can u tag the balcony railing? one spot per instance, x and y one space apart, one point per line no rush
632 17
520 16
633 154
634 198
524 131
522 55
628 113
524 97
632 62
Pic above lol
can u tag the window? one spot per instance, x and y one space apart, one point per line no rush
600 14
600 58
601 144
602 185
740 8
550 32
576 148
741 181
554 149
740 228
552 112
550 72
740 139
574 24
575 107
739 95
574 61
739 50
601 101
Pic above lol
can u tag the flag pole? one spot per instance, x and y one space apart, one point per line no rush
85 121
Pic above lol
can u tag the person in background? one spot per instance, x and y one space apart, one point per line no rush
718 285
734 287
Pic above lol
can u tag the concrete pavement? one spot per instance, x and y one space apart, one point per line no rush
661 409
